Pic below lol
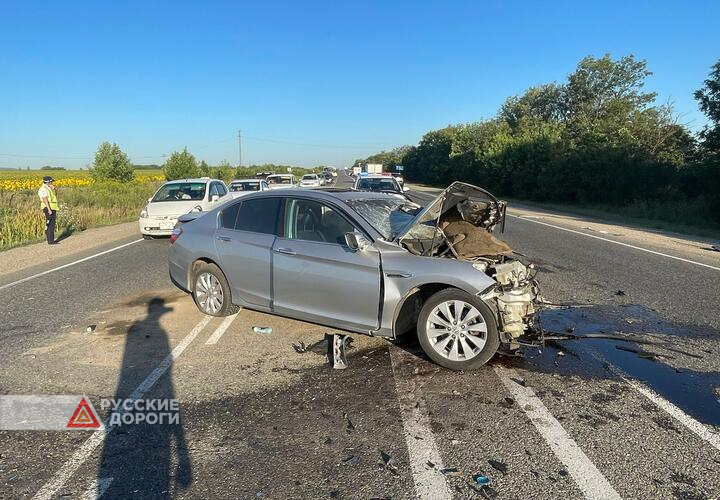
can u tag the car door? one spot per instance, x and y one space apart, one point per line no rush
316 276
244 241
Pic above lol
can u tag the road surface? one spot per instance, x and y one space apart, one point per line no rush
581 419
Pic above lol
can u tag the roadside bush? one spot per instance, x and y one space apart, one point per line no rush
111 164
181 165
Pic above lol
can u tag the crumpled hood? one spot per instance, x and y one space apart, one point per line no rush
475 205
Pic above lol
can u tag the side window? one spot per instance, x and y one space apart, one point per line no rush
229 215
213 190
221 189
264 186
313 221
259 215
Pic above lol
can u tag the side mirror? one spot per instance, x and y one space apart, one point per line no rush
214 197
406 189
149 200
351 241
356 241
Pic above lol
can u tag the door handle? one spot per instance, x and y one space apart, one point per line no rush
398 274
223 238
286 251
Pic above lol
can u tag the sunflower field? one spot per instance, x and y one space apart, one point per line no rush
83 202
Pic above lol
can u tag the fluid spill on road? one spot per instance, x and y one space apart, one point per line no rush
694 391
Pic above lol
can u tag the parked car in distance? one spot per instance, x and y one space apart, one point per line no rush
281 181
178 197
366 262
379 183
241 187
310 181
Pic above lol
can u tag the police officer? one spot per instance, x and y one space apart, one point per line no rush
49 206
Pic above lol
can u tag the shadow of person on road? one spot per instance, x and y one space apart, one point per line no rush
145 459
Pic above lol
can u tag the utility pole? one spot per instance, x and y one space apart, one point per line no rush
239 148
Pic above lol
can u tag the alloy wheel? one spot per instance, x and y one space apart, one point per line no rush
208 293
456 330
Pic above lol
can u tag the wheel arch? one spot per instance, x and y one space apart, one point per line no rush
192 269
408 308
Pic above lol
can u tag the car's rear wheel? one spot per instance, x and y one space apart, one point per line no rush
211 291
457 330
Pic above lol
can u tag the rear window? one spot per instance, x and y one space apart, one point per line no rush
245 186
377 184
181 191
279 180
310 177
259 215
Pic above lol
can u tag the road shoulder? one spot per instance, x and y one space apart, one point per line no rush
20 258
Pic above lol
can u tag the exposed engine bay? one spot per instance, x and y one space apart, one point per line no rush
459 224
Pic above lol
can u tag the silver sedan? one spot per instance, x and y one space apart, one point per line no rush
371 263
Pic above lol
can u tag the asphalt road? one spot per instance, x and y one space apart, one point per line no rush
581 419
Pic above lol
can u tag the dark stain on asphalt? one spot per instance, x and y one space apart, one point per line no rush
691 390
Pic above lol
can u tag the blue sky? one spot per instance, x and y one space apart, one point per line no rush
308 82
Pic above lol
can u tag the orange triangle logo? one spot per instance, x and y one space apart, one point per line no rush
83 417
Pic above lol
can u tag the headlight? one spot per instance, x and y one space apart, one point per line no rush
196 208
480 266
143 213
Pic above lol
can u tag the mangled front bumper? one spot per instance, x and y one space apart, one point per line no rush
516 300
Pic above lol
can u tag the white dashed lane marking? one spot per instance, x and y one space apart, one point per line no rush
221 329
588 478
50 489
421 445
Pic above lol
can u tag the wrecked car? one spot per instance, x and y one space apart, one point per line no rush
366 262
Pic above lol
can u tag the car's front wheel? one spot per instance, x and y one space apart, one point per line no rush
457 330
211 291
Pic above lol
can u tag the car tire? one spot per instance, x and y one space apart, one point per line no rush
211 291
458 340
148 237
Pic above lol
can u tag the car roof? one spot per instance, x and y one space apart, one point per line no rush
197 179
332 194
246 180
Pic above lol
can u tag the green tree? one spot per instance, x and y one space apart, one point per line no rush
225 171
708 98
111 164
181 165
204 169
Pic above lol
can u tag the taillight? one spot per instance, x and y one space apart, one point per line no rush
175 234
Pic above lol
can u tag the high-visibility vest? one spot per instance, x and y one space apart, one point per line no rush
52 200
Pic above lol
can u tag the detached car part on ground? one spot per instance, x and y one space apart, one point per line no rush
365 262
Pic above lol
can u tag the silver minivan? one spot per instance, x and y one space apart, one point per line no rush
365 262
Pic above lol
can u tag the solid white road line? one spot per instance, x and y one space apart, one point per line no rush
81 455
635 247
3 287
701 430
588 478
221 329
97 489
429 482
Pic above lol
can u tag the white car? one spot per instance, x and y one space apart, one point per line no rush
176 198
310 180
382 183
281 181
241 187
